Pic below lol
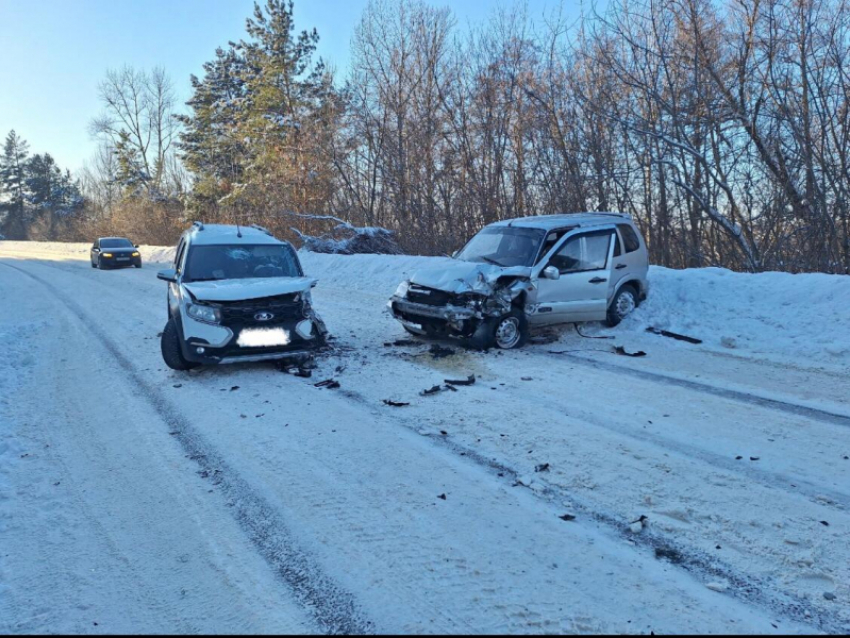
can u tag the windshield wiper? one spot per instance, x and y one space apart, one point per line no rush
492 261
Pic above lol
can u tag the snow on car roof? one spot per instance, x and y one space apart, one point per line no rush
549 222
217 234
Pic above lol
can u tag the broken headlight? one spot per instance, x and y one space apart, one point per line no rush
472 300
401 291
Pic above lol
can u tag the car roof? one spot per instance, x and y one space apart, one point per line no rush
224 234
552 222
102 238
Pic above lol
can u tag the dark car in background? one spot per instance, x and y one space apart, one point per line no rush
115 252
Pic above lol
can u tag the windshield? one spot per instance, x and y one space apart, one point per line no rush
503 246
116 243
211 263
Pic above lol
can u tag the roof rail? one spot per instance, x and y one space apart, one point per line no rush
261 229
198 225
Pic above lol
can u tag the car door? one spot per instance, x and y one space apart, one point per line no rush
95 251
581 292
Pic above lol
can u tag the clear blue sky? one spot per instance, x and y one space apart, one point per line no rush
53 53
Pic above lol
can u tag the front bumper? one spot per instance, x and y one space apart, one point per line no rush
117 262
451 319
219 344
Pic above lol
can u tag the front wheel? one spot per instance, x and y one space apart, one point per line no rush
506 332
171 353
623 304
139 265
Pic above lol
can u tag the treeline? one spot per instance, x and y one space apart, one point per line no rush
722 127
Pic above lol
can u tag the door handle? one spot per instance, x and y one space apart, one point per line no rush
621 266
598 280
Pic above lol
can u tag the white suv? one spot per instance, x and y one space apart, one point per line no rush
237 294
532 271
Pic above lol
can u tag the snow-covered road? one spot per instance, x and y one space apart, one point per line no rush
242 499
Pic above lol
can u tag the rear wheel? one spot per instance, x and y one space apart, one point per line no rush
171 353
623 304
506 332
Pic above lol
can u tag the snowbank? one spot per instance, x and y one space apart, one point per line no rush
803 317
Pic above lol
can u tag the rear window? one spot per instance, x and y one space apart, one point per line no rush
211 263
630 238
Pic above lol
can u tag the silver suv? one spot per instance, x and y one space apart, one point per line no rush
237 294
532 271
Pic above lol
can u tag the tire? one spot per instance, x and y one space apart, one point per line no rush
507 332
138 265
171 353
623 303
100 264
93 265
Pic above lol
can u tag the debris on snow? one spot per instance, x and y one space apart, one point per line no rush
395 404
401 343
622 351
717 586
440 352
637 526
442 497
673 335
330 384
432 390
829 595
543 467
581 334
567 517
470 380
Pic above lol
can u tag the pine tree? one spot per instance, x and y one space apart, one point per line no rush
131 174
49 190
210 142
13 165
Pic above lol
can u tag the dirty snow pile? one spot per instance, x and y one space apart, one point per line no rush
346 239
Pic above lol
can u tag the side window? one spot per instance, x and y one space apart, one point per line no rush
584 252
595 255
630 238
568 258
94 245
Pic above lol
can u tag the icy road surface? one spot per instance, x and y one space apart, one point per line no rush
242 499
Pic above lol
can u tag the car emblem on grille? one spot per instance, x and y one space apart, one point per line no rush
264 316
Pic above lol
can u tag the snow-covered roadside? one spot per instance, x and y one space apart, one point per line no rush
801 319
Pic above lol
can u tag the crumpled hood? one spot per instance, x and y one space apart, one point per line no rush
243 289
466 276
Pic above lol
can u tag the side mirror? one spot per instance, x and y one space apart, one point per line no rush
550 272
169 275
136 245
313 284
454 254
